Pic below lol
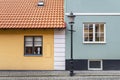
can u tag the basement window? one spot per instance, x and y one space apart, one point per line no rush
94 64
33 45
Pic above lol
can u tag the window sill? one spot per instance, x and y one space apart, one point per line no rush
94 42
95 69
32 55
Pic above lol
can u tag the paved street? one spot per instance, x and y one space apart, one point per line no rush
59 75
64 78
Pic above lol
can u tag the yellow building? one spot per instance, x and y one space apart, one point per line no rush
32 35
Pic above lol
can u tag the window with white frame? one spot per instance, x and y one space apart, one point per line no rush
33 45
95 64
94 32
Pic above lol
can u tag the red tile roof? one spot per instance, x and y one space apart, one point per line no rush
26 14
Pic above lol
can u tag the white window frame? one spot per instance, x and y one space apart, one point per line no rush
101 67
94 34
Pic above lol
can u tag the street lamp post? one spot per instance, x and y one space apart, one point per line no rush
71 22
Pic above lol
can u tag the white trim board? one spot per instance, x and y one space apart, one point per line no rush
95 14
59 49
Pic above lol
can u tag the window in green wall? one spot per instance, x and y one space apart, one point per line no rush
94 33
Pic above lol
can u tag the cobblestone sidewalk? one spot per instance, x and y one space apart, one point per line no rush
59 75
64 78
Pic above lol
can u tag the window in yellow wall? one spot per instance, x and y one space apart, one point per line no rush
33 45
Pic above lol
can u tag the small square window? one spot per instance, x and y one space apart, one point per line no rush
94 33
94 64
33 45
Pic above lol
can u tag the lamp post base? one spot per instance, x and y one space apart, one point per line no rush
71 73
72 68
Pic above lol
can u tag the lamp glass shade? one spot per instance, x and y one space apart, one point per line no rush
71 18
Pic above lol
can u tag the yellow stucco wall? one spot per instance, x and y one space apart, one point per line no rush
12 50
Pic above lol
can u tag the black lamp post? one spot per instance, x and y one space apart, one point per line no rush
71 22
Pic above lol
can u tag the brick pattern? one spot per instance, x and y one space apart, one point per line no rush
26 14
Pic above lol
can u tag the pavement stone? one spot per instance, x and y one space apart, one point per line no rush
59 75
63 78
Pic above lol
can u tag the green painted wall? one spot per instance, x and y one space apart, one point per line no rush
91 6
109 50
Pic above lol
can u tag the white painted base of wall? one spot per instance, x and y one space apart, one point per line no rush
59 49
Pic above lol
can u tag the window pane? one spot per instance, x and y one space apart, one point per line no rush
29 43
37 50
94 64
38 39
86 39
101 27
97 37
28 50
96 27
91 37
37 44
86 28
86 34
28 38
101 34
101 38
90 32
90 27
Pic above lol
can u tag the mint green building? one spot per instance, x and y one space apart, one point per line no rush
96 40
